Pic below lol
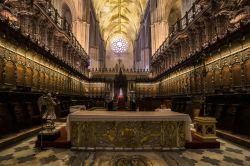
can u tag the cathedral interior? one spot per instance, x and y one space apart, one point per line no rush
127 58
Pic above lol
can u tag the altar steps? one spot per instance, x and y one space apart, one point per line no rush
11 139
239 139
61 142
198 144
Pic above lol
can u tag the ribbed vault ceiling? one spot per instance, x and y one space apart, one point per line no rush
119 17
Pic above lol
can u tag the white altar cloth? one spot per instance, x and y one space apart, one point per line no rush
77 108
163 110
130 116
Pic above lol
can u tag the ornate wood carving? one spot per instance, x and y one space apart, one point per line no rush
236 75
9 73
247 73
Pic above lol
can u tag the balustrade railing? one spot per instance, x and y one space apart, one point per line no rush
180 26
21 15
47 8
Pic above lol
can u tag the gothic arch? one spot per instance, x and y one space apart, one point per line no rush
67 14
71 6
175 13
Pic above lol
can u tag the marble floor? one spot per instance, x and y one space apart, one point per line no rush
24 153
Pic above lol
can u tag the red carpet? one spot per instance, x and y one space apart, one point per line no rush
61 142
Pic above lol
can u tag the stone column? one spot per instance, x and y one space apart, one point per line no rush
82 34
159 32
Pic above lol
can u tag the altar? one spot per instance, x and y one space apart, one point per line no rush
103 130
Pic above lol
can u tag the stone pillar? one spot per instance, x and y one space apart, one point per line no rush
153 38
82 34
93 52
159 32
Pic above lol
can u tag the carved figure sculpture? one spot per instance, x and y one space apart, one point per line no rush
46 105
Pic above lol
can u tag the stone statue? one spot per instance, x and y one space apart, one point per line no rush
46 105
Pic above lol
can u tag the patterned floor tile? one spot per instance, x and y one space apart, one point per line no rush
44 153
213 155
6 157
237 151
24 153
189 160
225 163
210 160
26 158
233 160
202 163
49 159
190 155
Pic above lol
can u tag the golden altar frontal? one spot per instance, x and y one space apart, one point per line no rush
102 130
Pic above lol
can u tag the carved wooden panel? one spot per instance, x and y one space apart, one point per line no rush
226 77
96 89
228 119
168 87
20 80
36 77
19 114
192 83
9 73
56 82
42 80
236 75
219 113
76 87
217 78
22 115
175 86
51 81
29 77
1 70
247 72
5 120
64 87
188 83
209 83
198 82
66 84
209 109
182 85
243 120
46 80
60 83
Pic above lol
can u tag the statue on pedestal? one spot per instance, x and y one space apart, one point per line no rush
46 104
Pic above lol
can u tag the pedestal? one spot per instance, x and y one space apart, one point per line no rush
48 135
205 128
